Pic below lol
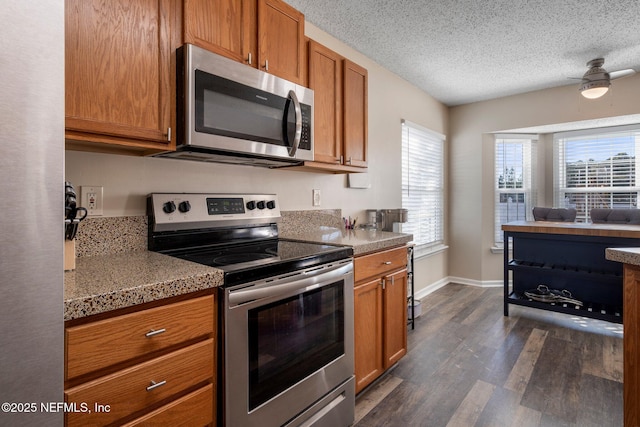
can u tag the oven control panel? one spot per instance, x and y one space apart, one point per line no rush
183 211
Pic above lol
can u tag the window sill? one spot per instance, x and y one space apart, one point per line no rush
496 250
428 251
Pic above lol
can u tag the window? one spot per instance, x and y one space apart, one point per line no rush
596 168
423 185
515 193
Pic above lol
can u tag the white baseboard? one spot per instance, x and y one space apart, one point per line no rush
431 288
469 282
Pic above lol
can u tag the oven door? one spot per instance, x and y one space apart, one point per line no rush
288 345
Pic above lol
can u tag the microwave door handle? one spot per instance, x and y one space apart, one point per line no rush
298 135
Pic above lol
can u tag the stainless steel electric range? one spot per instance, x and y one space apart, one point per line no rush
286 308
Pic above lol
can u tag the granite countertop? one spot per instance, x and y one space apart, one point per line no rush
114 269
624 255
361 240
107 282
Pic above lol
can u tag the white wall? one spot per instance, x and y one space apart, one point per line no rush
472 161
127 180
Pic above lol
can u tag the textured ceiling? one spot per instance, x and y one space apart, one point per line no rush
473 50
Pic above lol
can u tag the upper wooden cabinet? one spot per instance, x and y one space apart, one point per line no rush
266 34
325 78
118 74
281 41
226 27
340 112
355 114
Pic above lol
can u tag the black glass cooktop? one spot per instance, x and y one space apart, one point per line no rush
246 262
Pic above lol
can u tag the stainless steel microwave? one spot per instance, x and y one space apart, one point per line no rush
231 113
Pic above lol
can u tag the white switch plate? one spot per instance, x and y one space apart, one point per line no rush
91 199
316 197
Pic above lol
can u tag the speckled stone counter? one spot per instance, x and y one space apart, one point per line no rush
114 269
624 255
325 226
103 283
362 241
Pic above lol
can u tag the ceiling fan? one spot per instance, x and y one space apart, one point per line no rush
596 80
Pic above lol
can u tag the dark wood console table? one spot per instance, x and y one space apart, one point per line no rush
567 256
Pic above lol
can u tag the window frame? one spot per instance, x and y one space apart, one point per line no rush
561 171
528 166
429 238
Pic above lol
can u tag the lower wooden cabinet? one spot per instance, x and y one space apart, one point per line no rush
380 313
160 368
194 409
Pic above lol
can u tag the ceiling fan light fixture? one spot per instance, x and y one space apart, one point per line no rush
594 89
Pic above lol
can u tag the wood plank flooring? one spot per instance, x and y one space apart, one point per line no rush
468 365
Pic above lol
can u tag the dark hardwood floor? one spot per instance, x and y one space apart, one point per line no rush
468 365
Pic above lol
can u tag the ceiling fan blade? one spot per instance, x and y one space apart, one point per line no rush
622 73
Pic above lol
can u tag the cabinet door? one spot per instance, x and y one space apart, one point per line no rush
325 78
281 40
355 114
395 317
226 27
117 72
368 332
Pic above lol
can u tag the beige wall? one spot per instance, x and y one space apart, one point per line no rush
471 161
127 180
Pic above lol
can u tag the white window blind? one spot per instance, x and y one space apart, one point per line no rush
515 193
596 168
423 184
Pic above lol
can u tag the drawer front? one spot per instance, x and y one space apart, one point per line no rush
106 342
193 410
132 389
379 263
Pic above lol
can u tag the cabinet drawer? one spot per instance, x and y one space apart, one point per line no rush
131 389
379 263
194 409
106 342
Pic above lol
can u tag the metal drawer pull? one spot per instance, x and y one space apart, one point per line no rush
387 263
156 385
153 332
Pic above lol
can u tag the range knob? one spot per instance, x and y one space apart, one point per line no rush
169 207
251 205
271 204
184 207
260 204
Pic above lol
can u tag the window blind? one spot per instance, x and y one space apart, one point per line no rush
596 168
515 193
423 184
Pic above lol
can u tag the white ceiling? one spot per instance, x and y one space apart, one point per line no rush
462 51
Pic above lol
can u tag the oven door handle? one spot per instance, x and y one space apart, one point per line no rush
305 280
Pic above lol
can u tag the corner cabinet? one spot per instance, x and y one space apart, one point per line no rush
566 257
265 34
150 365
380 311
340 112
119 75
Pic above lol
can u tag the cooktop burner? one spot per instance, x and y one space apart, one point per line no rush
256 260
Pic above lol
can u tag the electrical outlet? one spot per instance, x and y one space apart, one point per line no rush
92 197
316 197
